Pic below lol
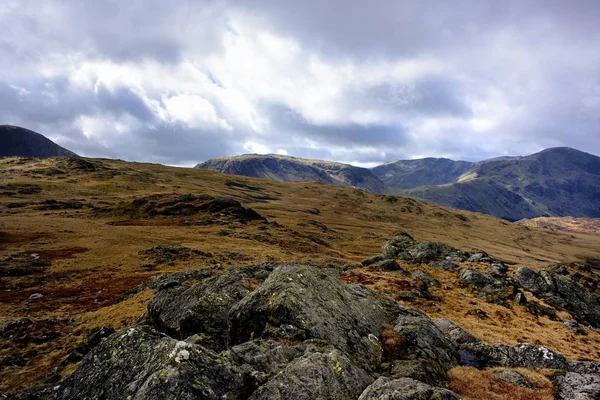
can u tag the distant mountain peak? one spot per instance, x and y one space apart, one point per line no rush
21 142
286 168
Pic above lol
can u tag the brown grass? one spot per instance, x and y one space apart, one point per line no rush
308 222
474 384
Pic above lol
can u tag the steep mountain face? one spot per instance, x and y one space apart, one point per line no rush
292 169
555 182
408 174
17 141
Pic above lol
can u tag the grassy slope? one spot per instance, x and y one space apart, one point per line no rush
95 260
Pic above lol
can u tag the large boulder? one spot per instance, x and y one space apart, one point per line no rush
563 293
202 309
299 302
328 375
405 389
420 339
140 363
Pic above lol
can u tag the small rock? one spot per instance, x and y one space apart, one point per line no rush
514 377
520 298
425 277
372 260
446 265
387 265
574 326
36 296
498 270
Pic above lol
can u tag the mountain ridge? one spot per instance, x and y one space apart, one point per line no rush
22 142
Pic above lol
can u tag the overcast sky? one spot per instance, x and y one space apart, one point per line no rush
178 82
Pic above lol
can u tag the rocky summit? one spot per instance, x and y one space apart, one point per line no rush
295 331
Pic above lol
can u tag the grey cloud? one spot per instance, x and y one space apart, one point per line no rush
291 123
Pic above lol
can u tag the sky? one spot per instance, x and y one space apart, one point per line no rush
362 82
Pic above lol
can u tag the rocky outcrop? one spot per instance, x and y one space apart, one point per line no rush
301 302
405 247
140 363
291 331
301 334
202 309
562 293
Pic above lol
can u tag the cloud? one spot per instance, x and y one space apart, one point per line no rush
362 82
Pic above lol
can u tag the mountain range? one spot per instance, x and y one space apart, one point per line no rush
555 182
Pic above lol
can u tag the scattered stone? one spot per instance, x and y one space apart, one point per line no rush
520 298
514 377
13 361
36 296
425 277
387 265
372 260
480 257
574 326
446 265
498 270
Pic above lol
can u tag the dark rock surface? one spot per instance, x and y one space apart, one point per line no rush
563 293
301 302
514 377
405 389
328 375
201 309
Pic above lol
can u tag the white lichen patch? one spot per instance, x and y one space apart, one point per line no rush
179 352
548 355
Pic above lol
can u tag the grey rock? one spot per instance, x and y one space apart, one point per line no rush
476 353
470 277
446 265
563 293
200 309
328 375
574 326
425 277
140 363
405 247
477 257
372 260
387 265
36 296
498 270
584 367
315 304
514 377
425 371
573 386
266 356
421 339
405 389
520 298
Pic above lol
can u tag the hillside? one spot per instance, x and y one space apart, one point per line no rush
228 280
292 169
555 182
566 224
16 141
408 174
